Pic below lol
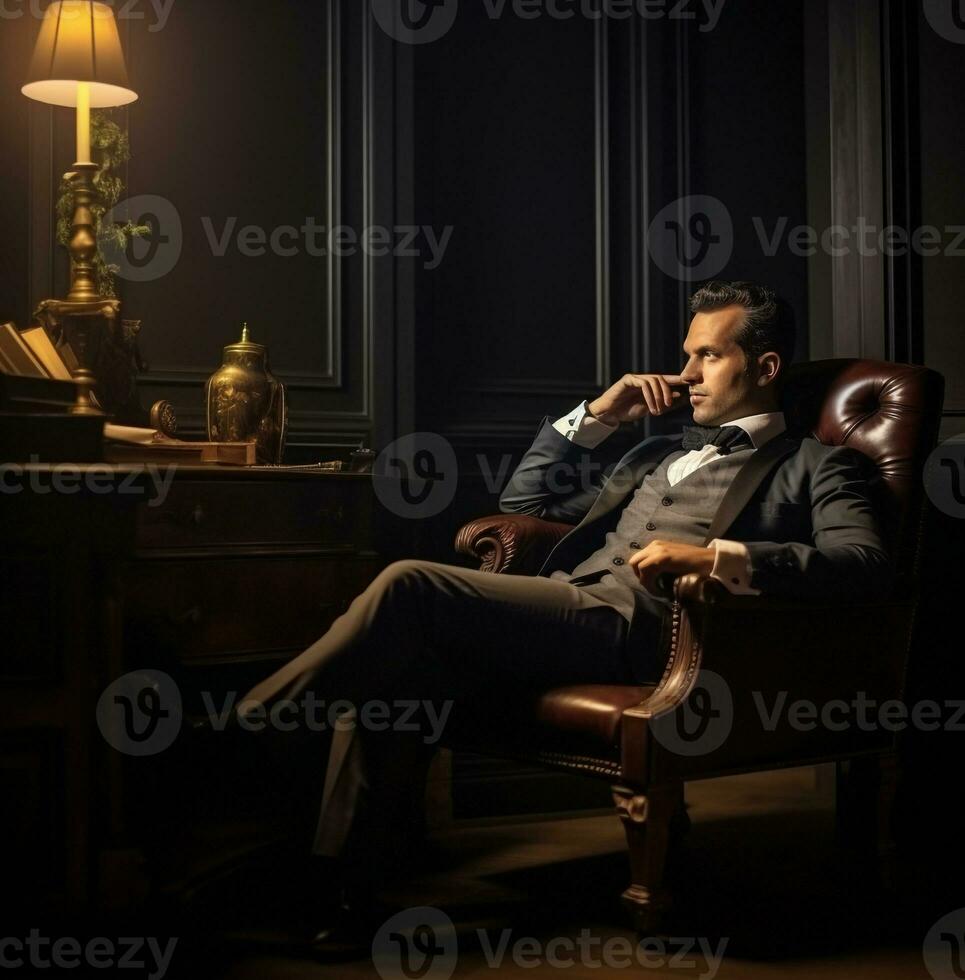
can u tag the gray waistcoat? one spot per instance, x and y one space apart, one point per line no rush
657 511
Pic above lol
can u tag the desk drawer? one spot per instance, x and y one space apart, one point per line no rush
205 514
234 609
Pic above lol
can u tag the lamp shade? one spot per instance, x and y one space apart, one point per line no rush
79 43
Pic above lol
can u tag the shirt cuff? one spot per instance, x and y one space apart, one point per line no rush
732 566
583 429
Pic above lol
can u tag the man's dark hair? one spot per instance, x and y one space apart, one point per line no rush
768 319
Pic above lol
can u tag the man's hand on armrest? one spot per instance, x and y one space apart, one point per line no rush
726 561
670 558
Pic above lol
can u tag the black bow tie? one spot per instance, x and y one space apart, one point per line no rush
726 438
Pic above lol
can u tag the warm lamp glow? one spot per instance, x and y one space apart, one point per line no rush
79 45
78 62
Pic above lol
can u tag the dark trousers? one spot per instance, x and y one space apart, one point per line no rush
429 631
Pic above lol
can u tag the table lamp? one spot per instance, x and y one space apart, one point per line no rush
78 62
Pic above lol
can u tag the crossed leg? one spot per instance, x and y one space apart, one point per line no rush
431 631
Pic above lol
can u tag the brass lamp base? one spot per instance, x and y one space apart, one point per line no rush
83 327
85 317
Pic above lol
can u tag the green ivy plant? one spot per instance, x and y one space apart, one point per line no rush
110 150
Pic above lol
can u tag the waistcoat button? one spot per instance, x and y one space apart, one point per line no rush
634 544
651 526
618 561
667 502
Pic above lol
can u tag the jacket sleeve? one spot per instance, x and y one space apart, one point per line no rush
556 479
849 557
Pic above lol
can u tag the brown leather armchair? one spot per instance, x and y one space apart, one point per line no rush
734 661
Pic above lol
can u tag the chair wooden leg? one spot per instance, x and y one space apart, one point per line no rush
646 816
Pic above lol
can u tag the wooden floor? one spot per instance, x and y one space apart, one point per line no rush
762 885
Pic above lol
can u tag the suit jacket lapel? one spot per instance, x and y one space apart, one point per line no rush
748 479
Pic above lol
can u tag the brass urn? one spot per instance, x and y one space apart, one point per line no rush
246 402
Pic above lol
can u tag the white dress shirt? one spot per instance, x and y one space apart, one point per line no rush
732 564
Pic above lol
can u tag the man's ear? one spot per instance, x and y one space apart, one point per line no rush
768 366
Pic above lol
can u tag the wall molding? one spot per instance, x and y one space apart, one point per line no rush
601 129
857 181
902 160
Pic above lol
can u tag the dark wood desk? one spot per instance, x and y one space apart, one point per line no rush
213 582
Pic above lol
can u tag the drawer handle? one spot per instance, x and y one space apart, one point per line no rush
197 515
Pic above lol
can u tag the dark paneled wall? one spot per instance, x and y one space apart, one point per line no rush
506 148
257 141
236 141
16 40
942 115
549 147
931 800
748 146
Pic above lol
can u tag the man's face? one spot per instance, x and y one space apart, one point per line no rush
721 386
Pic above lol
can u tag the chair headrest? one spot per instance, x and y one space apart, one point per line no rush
890 412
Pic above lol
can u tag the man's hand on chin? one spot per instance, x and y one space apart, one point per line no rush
660 557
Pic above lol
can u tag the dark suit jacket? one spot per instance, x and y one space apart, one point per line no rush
803 509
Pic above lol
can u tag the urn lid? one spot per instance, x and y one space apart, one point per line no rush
245 345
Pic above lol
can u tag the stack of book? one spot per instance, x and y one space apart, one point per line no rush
36 424
36 396
35 377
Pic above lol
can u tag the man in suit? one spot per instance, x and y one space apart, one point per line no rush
734 497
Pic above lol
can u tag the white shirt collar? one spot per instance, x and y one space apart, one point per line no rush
762 428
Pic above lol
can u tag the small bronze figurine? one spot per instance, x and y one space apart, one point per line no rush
246 402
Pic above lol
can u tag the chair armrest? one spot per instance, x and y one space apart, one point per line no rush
510 544
794 644
769 654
